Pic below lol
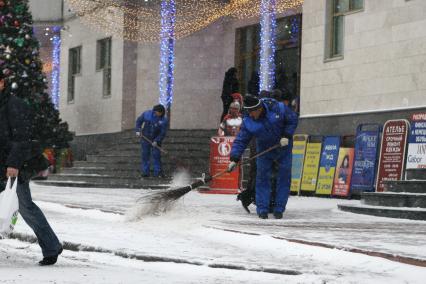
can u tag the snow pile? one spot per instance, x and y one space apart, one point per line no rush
150 204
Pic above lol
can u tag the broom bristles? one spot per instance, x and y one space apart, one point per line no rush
161 201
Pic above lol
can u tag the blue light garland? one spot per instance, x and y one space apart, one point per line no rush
56 54
268 26
167 52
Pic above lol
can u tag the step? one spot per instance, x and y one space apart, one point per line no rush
183 139
416 174
170 153
394 199
122 159
98 185
96 178
166 146
132 173
201 166
413 186
391 212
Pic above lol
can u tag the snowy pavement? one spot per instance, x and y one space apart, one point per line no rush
210 239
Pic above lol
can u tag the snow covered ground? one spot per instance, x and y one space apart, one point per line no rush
210 239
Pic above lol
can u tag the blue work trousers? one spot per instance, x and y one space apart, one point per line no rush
147 149
263 180
33 216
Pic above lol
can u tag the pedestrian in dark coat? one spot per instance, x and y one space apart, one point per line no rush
230 86
154 127
271 122
16 153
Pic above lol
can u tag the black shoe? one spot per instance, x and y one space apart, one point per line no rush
50 260
144 175
278 215
263 215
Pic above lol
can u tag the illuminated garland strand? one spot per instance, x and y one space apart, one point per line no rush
56 54
167 52
143 21
268 25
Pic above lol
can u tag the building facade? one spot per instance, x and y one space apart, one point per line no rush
346 61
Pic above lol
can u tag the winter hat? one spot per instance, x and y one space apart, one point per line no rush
159 108
251 103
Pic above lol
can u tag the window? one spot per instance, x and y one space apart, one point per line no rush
103 63
287 56
336 10
74 69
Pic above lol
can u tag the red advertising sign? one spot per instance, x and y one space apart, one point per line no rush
343 176
228 183
392 152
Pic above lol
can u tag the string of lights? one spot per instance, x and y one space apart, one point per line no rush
268 26
167 52
143 21
56 54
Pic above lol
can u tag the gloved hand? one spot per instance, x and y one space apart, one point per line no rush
154 144
138 134
232 165
284 142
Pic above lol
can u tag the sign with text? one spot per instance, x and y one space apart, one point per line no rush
228 183
327 166
298 153
392 153
310 167
342 178
416 156
365 160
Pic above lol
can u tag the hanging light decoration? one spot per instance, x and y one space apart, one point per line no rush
167 52
268 26
143 22
56 54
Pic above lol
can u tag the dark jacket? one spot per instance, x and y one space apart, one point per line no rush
16 147
230 85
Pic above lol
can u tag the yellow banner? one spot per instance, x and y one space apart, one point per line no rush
310 168
325 180
298 153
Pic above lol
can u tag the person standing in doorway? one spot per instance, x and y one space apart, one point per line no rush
151 127
230 86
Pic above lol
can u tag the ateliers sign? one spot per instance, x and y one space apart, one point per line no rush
392 153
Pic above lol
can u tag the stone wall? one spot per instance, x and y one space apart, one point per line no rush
384 62
91 112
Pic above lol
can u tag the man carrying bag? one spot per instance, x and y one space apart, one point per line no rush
21 158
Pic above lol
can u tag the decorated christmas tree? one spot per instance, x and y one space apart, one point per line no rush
22 69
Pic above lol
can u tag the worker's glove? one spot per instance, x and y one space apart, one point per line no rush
138 134
154 144
232 165
284 142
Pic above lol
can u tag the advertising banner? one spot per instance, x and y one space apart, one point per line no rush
310 167
228 183
342 178
327 166
299 149
366 158
392 153
416 156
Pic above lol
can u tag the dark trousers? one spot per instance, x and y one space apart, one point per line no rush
33 216
226 103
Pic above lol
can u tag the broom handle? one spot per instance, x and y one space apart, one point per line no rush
248 160
156 146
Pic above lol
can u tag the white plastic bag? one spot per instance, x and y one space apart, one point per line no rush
9 206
